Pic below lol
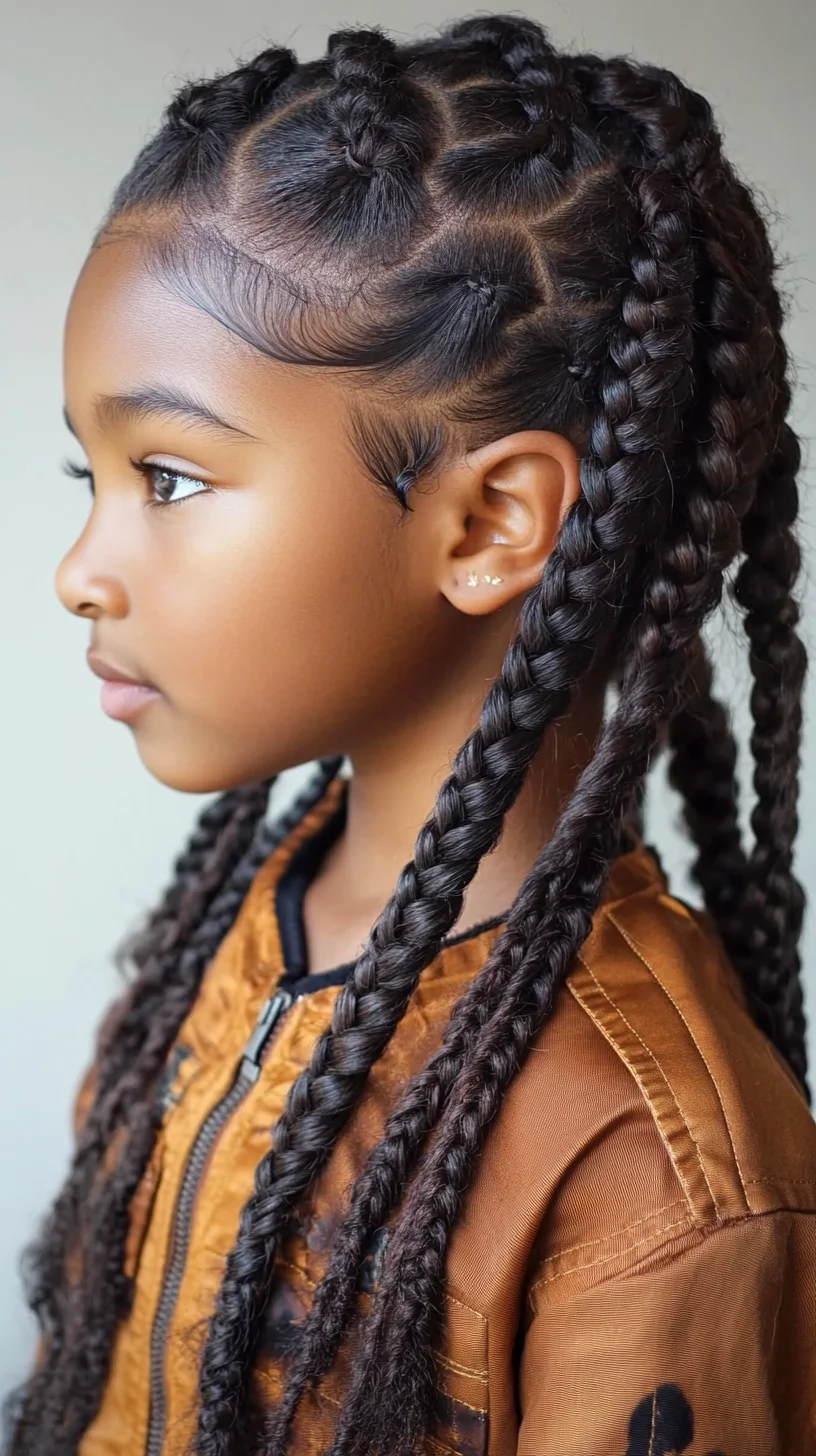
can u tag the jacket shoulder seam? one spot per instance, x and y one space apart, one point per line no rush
556 1257
655 1238
654 1086
661 1238
701 1054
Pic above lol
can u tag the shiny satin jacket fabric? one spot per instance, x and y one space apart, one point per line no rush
633 1271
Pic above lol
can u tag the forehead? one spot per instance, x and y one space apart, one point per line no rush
126 327
121 314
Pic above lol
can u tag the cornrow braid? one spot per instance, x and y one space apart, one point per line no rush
367 98
203 120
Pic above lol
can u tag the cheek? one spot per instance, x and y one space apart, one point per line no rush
262 606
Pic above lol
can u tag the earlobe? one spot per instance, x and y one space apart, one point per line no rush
516 495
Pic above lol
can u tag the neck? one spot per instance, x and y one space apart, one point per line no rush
392 791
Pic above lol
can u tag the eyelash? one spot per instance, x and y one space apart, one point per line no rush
146 470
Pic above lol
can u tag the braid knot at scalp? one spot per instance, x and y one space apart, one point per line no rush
488 235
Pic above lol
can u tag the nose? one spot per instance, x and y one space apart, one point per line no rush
84 589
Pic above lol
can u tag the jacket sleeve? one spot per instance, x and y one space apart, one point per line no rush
707 1347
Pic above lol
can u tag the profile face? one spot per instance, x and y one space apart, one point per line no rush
239 559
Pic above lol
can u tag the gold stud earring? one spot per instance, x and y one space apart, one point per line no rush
473 579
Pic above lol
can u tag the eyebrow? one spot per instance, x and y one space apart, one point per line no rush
159 399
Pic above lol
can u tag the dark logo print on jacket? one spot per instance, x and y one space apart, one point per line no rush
662 1424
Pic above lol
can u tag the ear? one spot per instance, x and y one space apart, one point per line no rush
507 502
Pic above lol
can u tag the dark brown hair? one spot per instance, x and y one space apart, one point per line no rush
490 235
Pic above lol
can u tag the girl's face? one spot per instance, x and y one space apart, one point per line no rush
279 601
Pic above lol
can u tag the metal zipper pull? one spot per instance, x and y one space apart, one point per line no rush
268 1016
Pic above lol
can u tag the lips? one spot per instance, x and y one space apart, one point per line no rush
110 672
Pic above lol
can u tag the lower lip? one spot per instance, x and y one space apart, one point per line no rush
124 700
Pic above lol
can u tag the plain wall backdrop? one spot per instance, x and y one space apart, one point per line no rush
88 836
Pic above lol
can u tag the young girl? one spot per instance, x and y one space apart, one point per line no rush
431 1121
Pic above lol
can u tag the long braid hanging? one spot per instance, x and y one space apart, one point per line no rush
154 950
778 662
702 747
765 589
703 769
748 361
395 1368
53 1383
743 435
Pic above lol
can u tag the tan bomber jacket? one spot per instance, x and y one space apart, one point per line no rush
633 1272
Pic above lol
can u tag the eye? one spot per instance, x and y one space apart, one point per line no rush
163 479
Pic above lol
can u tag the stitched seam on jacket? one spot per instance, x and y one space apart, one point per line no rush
457 1369
476 1410
710 1232
701 1053
468 1307
484 1377
779 1178
668 1084
610 1258
613 1233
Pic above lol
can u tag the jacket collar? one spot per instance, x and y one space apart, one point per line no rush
633 872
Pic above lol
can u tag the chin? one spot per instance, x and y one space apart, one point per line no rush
193 758
188 774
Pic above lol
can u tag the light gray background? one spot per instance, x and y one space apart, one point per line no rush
88 837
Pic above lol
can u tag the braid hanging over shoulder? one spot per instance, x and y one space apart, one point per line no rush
490 235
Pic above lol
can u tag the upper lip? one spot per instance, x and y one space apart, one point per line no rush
110 671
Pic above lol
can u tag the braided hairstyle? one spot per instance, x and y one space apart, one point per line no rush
485 235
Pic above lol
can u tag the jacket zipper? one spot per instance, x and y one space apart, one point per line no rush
247 1073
